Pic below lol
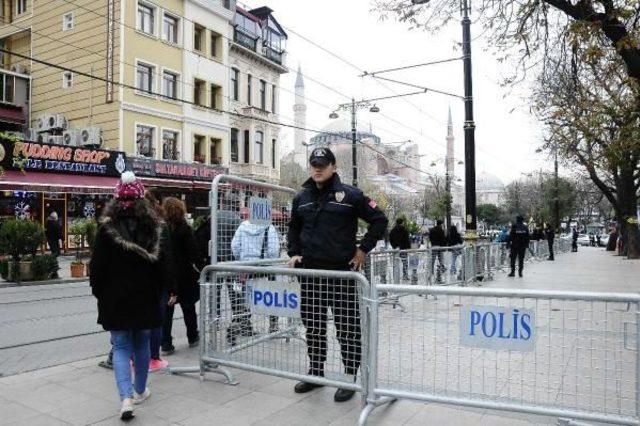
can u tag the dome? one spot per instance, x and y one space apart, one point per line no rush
487 182
339 130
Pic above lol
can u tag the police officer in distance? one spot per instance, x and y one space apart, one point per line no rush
322 235
519 242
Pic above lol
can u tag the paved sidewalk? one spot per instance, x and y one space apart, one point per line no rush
64 275
81 393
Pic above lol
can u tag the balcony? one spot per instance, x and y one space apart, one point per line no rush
255 112
274 55
245 40
255 171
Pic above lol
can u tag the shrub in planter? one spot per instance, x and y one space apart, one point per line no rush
78 230
19 238
45 267
4 269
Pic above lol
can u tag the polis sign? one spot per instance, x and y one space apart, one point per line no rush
42 157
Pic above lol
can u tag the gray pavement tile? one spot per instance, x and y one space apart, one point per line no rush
178 409
11 411
443 415
87 412
143 417
320 404
293 415
35 375
389 414
46 397
42 420
514 419
282 387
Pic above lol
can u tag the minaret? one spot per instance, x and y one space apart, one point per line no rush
300 121
450 160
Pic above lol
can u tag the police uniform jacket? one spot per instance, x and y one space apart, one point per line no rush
324 223
519 236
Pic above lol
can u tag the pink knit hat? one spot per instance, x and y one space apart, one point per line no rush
129 188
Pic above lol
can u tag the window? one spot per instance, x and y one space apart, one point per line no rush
170 28
263 95
234 145
259 139
144 141
67 21
273 98
227 4
146 18
249 89
198 149
144 80
216 45
67 79
214 145
7 88
216 97
198 38
21 7
235 75
170 145
199 92
170 84
273 153
247 142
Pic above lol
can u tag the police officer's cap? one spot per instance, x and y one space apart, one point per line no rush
322 157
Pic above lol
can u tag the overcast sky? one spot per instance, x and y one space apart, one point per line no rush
507 135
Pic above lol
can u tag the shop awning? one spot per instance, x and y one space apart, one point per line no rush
11 114
56 182
175 183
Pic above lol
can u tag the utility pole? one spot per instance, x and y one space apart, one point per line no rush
556 200
354 147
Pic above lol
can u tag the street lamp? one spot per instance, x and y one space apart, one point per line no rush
469 125
556 189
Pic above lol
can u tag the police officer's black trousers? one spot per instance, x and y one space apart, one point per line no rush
550 243
317 295
519 254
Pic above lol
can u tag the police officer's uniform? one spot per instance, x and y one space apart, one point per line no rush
323 230
519 241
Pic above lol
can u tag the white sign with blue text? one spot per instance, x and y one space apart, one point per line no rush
497 327
259 211
275 298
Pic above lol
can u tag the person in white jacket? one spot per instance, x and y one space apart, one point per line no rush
255 242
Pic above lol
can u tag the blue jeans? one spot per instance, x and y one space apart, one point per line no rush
128 343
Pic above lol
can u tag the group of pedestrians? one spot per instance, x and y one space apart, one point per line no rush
143 263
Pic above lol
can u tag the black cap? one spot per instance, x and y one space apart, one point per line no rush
439 222
322 157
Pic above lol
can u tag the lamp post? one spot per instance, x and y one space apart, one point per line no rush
469 124
556 188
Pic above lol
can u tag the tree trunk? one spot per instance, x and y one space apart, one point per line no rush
627 205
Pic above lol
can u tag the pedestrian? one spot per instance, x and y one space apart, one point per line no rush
519 242
599 239
253 242
53 232
184 254
454 239
322 235
438 239
399 239
168 297
574 240
550 235
128 272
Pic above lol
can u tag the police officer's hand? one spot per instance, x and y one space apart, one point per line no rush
173 299
358 260
294 261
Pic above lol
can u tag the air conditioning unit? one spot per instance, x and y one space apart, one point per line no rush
31 135
90 136
55 139
19 68
42 137
71 137
47 122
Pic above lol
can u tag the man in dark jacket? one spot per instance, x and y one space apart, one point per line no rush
519 242
53 233
399 239
438 240
550 235
322 235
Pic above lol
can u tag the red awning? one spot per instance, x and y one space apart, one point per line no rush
56 182
12 115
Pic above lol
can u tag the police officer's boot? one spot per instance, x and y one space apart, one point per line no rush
343 395
512 274
304 387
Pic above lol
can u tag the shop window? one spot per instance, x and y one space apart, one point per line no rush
198 38
170 85
216 97
199 149
144 77
144 141
247 143
263 95
258 150
170 145
170 28
234 146
146 18
273 153
214 151
67 21
199 92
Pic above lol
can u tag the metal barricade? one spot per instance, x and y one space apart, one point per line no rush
281 325
566 354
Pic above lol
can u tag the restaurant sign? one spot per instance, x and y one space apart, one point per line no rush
174 170
43 157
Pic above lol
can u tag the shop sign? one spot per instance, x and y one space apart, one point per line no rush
43 157
173 169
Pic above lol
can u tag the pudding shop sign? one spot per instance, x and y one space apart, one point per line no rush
42 157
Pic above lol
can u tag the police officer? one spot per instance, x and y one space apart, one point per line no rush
322 235
550 235
519 241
